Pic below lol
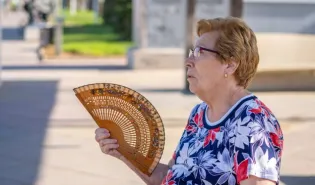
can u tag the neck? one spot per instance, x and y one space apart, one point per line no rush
221 100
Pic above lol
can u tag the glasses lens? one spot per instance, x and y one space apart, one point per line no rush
197 52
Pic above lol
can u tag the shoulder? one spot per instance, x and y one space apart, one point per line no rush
255 110
260 115
256 106
258 122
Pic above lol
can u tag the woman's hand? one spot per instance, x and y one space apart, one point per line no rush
107 145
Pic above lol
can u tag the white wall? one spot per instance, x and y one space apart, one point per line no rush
281 17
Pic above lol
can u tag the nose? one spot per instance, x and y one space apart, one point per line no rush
189 62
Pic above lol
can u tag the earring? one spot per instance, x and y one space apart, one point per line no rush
225 75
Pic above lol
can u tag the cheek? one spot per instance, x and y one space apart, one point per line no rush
210 70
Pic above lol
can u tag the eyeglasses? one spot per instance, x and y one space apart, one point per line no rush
197 50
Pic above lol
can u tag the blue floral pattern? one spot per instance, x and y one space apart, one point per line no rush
247 141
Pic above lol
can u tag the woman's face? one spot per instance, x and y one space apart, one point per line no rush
205 72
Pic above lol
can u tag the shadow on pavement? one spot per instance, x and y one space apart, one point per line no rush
295 180
13 33
25 107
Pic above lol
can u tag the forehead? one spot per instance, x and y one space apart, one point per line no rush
207 40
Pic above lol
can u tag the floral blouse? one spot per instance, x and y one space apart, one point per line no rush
246 141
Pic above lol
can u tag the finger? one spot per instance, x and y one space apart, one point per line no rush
101 130
106 149
107 141
101 136
116 154
113 152
109 147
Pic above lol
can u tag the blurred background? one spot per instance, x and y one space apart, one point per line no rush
49 47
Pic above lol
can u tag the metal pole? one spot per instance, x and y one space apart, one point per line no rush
59 35
58 30
190 15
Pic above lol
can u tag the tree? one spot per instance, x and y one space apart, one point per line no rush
118 15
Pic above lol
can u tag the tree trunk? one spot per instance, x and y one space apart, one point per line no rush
236 8
190 15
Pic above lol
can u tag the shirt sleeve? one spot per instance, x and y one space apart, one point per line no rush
257 149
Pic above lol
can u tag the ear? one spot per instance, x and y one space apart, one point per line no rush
231 67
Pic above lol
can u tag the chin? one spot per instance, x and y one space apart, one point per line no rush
192 88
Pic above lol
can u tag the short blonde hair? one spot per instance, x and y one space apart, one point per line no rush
235 40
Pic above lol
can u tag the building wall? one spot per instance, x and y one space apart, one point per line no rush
165 20
286 17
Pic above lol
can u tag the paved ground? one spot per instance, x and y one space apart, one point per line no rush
47 137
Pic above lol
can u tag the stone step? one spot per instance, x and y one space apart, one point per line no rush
284 80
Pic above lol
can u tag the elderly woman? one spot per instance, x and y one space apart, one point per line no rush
231 137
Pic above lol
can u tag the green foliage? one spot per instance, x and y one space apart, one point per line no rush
118 14
80 18
84 37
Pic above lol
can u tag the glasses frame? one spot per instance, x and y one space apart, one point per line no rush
194 50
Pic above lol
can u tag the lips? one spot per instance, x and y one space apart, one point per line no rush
190 76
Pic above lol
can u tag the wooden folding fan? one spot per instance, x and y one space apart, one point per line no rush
130 118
